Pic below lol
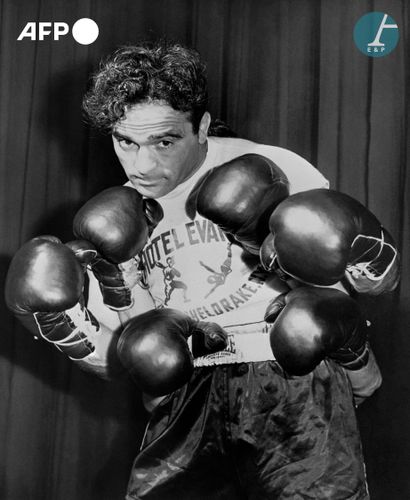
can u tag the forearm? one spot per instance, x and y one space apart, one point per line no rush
103 361
142 302
366 380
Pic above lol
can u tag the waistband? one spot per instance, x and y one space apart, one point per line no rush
246 343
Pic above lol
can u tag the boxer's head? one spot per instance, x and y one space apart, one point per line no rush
153 101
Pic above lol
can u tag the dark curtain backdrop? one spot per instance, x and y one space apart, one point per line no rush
282 72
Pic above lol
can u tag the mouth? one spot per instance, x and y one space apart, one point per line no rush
144 183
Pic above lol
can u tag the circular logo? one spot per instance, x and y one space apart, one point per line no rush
376 34
85 31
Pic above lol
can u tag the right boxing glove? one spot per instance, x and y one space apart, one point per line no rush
44 288
118 222
153 347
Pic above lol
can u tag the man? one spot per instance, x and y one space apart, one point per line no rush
238 426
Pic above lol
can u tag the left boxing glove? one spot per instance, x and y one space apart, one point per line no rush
320 236
239 197
44 288
118 222
310 324
154 349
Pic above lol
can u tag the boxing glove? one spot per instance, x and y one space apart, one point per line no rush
239 196
321 236
44 288
311 324
117 222
154 349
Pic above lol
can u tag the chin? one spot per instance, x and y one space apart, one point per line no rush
153 191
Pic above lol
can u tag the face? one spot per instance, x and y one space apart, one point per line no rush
157 148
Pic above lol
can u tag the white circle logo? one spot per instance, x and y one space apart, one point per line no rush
85 31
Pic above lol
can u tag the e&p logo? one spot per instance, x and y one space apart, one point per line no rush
84 31
376 34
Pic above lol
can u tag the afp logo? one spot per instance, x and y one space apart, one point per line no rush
84 31
376 34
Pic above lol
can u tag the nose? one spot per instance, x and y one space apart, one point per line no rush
141 164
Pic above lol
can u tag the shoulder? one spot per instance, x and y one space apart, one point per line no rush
302 175
223 149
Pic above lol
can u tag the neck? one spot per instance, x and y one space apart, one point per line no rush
202 152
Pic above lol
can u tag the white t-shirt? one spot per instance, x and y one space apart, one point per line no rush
190 264
192 267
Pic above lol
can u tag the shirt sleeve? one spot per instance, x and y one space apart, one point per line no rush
301 174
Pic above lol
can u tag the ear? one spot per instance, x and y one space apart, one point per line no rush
203 127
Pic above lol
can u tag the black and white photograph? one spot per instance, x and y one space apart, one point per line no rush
205 250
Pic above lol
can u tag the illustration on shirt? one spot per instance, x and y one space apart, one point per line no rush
218 278
194 268
171 284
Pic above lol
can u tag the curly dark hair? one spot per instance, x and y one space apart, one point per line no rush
160 71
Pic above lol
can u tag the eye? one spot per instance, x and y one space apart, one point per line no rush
164 144
125 144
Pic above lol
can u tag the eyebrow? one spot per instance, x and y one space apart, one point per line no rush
153 137
170 133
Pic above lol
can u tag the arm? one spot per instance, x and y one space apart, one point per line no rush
311 324
44 289
117 223
321 237
366 380
113 228
106 363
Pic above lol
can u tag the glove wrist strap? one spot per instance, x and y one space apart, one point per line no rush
71 331
357 360
117 281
